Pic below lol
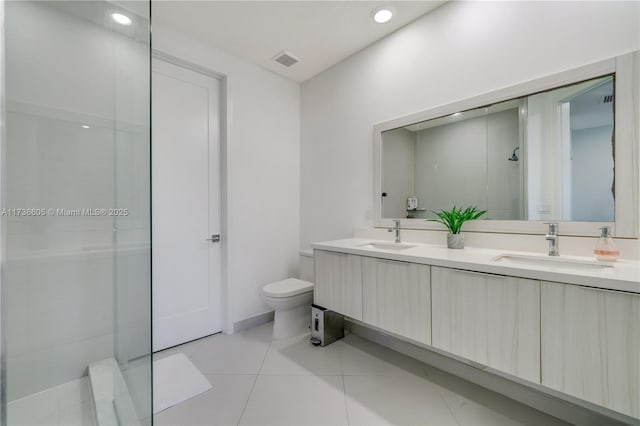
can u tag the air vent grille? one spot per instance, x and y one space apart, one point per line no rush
285 58
606 99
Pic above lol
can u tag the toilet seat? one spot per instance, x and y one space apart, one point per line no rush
287 288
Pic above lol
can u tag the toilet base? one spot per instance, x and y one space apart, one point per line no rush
292 322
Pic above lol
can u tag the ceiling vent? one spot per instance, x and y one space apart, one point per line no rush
606 99
285 58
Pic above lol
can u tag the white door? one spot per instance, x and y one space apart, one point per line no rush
187 279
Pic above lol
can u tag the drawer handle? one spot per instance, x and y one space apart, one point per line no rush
604 290
482 274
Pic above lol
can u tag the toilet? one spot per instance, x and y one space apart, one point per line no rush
291 300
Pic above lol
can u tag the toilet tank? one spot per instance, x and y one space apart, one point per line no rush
306 265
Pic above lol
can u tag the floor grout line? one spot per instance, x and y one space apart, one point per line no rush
344 385
254 381
244 407
453 414
346 405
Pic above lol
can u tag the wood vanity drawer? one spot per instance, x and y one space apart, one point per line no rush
491 319
396 296
338 282
591 345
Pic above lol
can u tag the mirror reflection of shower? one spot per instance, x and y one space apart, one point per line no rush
514 157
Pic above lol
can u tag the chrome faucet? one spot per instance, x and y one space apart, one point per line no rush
396 228
552 237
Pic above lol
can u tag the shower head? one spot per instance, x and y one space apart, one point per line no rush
514 157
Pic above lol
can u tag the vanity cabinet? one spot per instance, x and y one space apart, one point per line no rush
591 345
338 282
490 319
578 340
396 296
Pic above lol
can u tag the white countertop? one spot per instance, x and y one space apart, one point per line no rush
623 276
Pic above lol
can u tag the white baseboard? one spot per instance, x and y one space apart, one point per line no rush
252 321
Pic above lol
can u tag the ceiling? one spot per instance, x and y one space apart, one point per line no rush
587 108
319 33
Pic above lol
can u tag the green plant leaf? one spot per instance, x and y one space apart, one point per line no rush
454 219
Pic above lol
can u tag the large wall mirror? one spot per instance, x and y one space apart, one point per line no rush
555 149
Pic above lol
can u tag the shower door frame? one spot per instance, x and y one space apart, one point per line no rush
3 354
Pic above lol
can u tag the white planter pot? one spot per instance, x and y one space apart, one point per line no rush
455 241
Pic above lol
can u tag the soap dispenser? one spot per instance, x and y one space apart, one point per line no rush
605 247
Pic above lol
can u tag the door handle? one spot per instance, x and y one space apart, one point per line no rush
215 238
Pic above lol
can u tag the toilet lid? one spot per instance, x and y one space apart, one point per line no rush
286 288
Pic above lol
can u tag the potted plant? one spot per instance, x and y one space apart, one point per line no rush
454 220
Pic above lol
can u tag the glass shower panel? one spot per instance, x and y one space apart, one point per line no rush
131 220
76 218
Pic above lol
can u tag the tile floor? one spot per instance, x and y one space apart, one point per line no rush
257 381
65 405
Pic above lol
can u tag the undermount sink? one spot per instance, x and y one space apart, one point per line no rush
388 246
552 262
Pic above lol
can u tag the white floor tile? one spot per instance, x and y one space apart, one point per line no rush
77 415
67 404
503 412
221 405
74 392
473 405
362 357
137 376
299 384
296 400
262 333
395 400
224 354
298 356
50 420
33 408
186 348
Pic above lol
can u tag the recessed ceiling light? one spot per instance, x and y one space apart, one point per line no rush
84 126
382 14
121 19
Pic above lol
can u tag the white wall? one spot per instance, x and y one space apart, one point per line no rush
263 171
460 50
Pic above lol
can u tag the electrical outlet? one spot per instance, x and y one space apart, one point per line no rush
544 209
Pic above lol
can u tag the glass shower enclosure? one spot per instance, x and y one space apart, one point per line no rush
76 221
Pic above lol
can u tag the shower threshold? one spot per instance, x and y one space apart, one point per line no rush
111 398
